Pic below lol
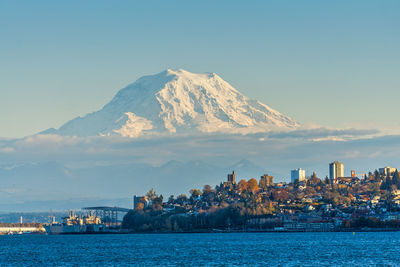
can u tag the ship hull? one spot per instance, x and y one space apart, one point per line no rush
59 229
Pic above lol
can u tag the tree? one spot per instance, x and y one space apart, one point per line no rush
139 206
388 180
151 194
242 185
252 185
396 179
279 194
195 193
314 175
158 200
310 191
208 189
314 180
376 174
386 183
182 199
156 204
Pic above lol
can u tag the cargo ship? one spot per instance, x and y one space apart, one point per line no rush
73 224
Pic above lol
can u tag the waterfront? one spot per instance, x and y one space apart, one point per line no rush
288 249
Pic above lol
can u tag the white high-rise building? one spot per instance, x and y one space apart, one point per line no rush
336 170
298 174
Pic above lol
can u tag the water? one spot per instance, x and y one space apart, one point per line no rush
255 249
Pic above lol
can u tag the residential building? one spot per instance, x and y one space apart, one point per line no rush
336 170
387 171
298 174
268 179
232 178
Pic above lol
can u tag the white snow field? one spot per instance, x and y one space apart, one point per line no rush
178 101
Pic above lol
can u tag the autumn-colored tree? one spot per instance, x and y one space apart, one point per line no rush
242 185
252 185
151 194
279 194
310 190
139 206
195 193
182 199
208 189
314 180
158 200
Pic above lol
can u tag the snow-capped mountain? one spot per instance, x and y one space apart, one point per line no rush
178 101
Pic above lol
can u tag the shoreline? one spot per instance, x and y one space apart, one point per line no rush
215 231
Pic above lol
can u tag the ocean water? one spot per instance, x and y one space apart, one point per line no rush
225 249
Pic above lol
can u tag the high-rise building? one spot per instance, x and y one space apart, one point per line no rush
298 174
336 170
232 177
269 180
387 171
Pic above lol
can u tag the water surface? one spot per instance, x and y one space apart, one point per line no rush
233 249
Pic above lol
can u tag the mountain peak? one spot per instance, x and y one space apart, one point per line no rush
178 101
176 71
181 73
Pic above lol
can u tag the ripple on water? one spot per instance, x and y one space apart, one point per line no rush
256 249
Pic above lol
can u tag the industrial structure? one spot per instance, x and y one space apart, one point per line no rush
108 215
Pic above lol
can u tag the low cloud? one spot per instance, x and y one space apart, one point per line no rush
327 134
158 150
7 149
50 165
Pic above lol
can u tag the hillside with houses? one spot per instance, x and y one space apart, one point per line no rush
371 202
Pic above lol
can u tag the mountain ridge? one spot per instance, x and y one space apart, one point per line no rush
177 101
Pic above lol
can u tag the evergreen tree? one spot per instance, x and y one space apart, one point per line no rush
384 185
388 181
376 174
396 179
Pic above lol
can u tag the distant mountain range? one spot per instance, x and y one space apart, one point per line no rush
177 101
51 185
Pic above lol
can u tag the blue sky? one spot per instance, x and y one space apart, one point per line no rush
331 63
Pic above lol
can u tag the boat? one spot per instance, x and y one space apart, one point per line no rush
73 224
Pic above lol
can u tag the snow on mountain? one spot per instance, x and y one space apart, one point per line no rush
178 101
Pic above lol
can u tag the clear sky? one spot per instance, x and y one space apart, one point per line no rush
333 63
